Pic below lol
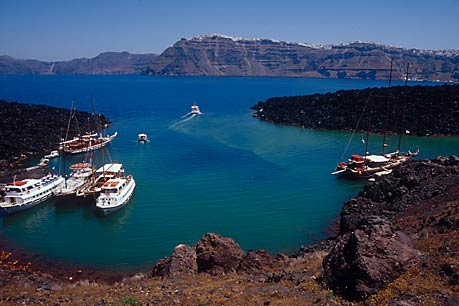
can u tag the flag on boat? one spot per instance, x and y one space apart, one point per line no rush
361 138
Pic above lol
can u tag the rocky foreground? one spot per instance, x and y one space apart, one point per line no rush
421 110
397 244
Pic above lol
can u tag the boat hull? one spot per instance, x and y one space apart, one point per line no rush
108 210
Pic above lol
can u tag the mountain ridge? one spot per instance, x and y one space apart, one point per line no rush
218 55
222 55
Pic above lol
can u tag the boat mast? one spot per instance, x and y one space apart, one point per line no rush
406 88
387 110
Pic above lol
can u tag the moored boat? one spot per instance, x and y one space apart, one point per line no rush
98 179
86 143
24 194
53 154
78 179
115 194
362 167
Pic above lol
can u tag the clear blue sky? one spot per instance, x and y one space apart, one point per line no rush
62 29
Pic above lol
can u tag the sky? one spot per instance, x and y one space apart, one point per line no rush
54 30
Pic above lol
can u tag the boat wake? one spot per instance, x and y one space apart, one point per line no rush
185 118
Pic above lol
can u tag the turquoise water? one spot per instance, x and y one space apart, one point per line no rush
266 186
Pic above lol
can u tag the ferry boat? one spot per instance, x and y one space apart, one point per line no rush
86 143
195 109
115 194
24 194
142 137
79 178
101 176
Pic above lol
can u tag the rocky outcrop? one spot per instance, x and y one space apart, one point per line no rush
415 183
104 63
182 261
365 260
374 245
421 110
27 129
223 55
218 255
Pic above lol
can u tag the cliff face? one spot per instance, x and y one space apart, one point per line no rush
219 55
104 63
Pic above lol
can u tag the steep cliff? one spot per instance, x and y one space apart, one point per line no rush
219 55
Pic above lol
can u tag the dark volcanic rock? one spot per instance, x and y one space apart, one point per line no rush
182 261
27 129
423 110
218 255
415 182
365 260
371 250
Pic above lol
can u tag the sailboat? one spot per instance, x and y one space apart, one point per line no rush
370 165
88 142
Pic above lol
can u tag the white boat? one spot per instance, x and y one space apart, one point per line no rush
102 175
114 195
142 137
27 193
53 154
86 143
195 109
78 179
43 162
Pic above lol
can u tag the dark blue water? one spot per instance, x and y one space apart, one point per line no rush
267 186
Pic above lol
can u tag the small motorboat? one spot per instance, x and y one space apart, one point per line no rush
53 154
195 109
142 137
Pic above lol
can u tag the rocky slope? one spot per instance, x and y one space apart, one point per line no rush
220 55
422 110
104 63
27 129
397 244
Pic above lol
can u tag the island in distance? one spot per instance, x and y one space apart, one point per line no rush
220 55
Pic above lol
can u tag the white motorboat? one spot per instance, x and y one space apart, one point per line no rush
24 194
195 109
53 154
115 194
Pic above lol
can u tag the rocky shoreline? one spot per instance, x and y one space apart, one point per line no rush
28 130
397 244
421 110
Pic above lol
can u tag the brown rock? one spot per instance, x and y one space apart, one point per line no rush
218 255
182 261
256 262
364 261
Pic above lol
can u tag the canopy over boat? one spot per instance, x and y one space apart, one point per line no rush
111 168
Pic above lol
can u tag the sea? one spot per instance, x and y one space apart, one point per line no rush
267 186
